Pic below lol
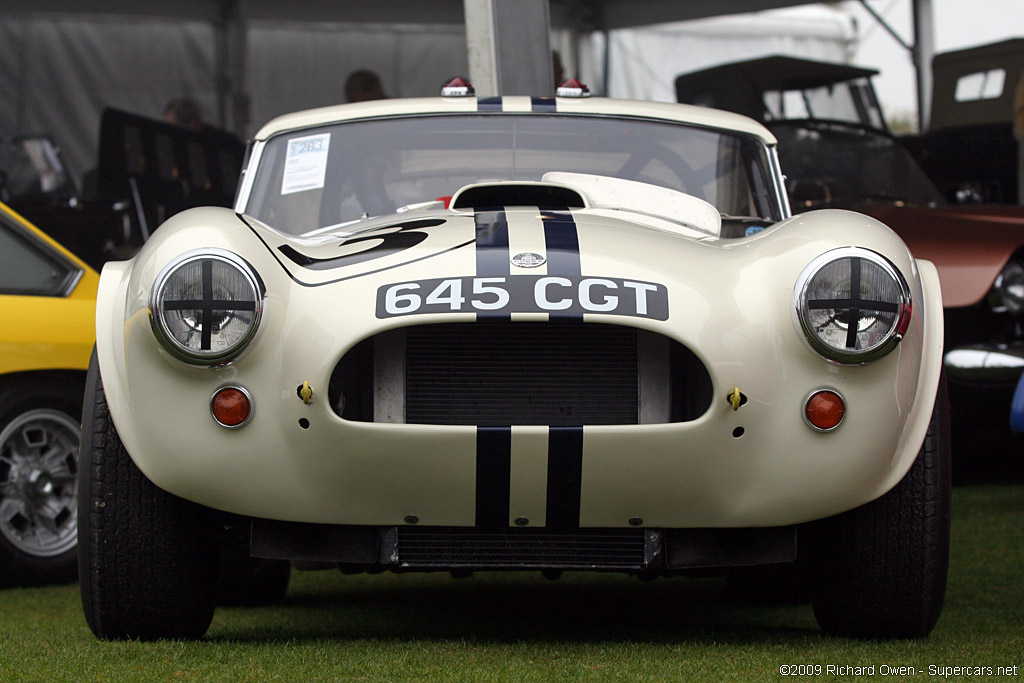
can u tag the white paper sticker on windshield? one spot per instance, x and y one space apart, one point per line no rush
306 163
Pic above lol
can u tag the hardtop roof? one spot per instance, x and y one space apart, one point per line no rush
598 106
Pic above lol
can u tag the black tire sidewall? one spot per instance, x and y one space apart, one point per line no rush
146 558
882 567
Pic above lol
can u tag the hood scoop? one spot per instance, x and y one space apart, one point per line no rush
490 195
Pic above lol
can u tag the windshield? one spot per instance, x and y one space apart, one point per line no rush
337 174
836 165
852 101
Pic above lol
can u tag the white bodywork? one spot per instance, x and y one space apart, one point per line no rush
729 301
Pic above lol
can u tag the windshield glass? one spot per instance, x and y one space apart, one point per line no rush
835 165
336 174
851 101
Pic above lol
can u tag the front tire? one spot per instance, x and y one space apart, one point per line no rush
39 440
882 567
147 563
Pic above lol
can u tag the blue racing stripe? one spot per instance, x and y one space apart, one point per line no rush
565 477
492 252
543 104
563 249
493 475
492 256
562 242
489 104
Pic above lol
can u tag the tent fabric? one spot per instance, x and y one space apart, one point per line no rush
645 61
57 74
301 66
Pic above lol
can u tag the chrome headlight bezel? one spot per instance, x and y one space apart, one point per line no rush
251 302
1007 293
896 307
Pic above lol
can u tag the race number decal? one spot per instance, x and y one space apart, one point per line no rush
555 294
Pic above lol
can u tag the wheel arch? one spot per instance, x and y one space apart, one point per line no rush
70 379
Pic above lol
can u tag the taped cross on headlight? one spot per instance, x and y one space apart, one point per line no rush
207 305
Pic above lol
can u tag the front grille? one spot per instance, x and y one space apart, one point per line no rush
556 373
499 373
426 547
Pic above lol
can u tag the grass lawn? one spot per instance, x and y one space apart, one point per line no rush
512 627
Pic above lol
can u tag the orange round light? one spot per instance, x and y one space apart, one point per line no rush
824 410
231 407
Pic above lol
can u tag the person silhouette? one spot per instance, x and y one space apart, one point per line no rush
363 85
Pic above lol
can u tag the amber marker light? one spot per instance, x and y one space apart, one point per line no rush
231 407
824 410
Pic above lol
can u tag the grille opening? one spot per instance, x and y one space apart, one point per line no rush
558 373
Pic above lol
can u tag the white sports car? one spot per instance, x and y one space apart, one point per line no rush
514 333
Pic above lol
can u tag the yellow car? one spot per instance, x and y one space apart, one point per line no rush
47 304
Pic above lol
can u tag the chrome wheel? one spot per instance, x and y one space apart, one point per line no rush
38 482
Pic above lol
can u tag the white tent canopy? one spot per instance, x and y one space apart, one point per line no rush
646 60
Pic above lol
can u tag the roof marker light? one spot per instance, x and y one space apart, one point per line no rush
457 87
572 88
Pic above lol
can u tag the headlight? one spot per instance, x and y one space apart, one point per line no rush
206 306
853 305
1007 295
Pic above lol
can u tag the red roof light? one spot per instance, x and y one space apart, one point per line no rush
573 88
457 87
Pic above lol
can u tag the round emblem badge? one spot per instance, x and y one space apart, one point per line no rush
528 259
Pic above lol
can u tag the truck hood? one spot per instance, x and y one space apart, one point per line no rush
968 244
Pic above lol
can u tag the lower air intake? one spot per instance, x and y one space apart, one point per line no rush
424 547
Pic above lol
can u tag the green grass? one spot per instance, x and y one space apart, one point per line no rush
512 627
